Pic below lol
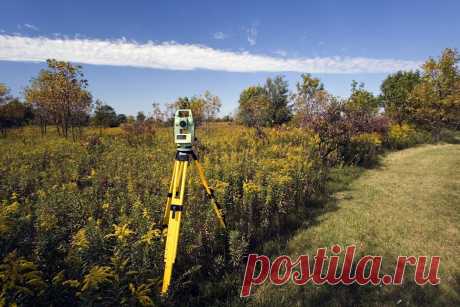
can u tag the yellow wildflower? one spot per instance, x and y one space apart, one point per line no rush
121 232
79 239
150 236
145 213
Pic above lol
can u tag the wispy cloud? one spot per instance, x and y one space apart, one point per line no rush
220 35
174 56
30 27
252 35
280 52
27 26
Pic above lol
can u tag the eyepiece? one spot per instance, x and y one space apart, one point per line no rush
183 123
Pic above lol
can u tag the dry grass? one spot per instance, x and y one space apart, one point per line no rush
409 205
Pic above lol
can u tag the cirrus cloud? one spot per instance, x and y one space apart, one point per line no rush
175 56
220 35
30 27
252 35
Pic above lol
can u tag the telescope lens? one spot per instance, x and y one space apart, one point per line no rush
183 123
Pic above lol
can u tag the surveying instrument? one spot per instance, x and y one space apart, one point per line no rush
184 135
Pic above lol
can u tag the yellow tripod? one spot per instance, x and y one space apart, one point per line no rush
175 206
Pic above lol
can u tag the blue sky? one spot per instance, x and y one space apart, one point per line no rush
135 53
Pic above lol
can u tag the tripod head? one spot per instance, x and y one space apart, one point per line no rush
184 129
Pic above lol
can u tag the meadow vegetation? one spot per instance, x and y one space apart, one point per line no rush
87 214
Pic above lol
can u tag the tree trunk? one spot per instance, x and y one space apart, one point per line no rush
436 134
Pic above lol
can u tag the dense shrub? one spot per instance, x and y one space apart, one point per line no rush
363 149
347 130
139 132
404 135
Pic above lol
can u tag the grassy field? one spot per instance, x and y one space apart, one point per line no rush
408 205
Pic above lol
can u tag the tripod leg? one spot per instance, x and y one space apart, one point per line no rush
175 213
215 205
170 194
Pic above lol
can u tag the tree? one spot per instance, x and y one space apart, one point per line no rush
212 105
266 105
140 117
396 89
310 99
320 112
435 102
227 118
336 122
204 107
254 107
158 116
121 119
361 110
278 95
196 104
13 114
130 119
59 95
104 115
4 94
362 100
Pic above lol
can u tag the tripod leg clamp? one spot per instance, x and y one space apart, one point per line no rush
175 208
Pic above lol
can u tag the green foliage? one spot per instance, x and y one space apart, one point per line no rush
13 113
310 99
319 112
140 117
348 130
396 89
435 102
204 107
237 247
59 96
277 93
362 100
121 119
212 105
139 132
21 282
254 107
265 106
405 135
104 115
309 86
363 149
196 104
96 277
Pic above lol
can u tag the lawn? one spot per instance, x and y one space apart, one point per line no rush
407 205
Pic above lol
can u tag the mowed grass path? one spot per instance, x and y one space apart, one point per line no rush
408 205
